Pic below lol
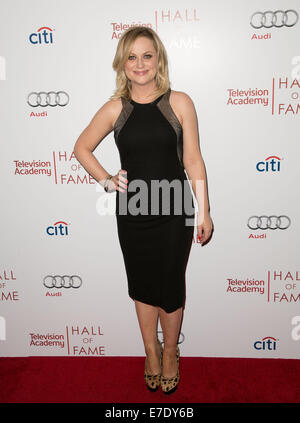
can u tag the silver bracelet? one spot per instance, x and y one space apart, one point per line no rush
107 179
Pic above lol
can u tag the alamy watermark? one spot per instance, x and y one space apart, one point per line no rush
295 334
162 197
296 69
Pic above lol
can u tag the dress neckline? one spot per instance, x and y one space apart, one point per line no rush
147 104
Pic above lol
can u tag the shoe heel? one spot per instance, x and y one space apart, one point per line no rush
170 384
153 381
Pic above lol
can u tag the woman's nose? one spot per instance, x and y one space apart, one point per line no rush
140 63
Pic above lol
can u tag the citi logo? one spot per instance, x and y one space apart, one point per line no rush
271 164
44 35
58 228
267 343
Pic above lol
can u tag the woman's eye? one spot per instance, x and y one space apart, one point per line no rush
146 55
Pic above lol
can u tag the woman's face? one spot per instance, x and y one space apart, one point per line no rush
141 65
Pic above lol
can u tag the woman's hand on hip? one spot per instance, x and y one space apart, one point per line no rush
118 182
204 227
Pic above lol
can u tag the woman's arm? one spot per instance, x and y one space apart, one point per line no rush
99 127
194 164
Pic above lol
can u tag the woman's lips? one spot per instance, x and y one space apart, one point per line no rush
141 73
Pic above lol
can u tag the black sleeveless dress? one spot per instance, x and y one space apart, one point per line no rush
155 242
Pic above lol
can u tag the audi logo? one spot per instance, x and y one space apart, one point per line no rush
269 222
62 281
278 19
43 99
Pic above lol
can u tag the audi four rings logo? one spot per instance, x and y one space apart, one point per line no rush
277 19
62 281
269 222
43 99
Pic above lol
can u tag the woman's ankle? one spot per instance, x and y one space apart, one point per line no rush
152 349
170 349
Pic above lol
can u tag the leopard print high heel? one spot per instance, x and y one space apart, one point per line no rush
153 381
169 384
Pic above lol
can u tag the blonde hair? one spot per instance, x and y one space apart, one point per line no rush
123 50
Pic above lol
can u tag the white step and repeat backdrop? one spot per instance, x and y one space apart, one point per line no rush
63 286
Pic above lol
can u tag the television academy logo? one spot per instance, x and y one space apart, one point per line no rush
64 167
119 27
47 340
35 167
43 35
249 285
282 99
270 164
162 17
268 343
280 287
79 340
59 228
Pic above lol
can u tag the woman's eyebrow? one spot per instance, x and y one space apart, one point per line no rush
148 51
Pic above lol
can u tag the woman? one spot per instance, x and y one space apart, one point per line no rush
155 130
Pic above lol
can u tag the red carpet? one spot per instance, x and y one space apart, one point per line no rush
120 379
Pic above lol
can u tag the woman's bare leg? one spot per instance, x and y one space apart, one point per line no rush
170 324
148 319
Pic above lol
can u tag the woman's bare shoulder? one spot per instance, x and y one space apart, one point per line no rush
114 104
111 108
182 104
180 98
